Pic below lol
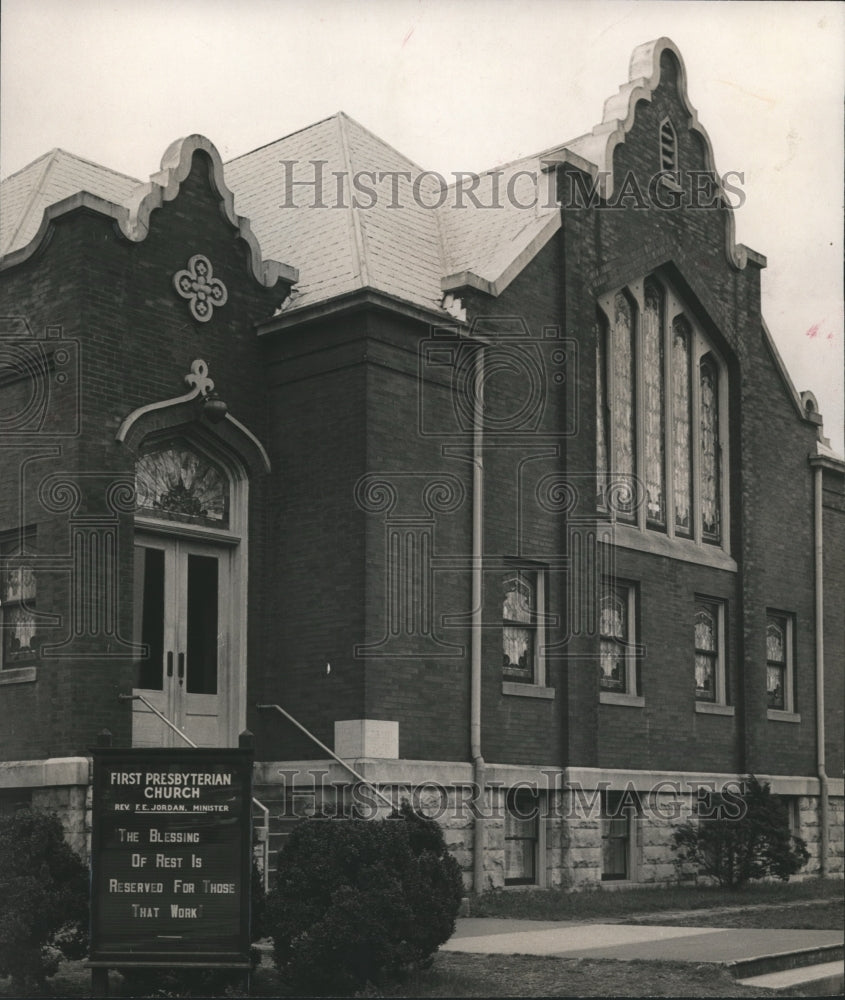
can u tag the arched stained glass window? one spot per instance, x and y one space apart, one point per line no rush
652 350
624 449
178 483
709 431
682 467
660 414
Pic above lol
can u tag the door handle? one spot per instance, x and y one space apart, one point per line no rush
181 667
170 663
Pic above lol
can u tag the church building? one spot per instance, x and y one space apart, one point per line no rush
489 491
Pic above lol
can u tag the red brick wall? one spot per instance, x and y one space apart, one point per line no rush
136 342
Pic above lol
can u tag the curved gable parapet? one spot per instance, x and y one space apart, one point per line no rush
164 186
132 214
618 120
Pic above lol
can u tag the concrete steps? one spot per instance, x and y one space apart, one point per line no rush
826 979
818 971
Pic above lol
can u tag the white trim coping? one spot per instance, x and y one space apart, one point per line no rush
44 773
55 771
781 784
548 777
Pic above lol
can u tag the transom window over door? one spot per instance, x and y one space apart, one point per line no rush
176 482
661 414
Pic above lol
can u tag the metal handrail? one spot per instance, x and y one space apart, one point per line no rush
331 753
265 850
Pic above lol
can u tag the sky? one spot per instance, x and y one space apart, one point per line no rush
463 85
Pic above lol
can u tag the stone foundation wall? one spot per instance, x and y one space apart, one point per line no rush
569 841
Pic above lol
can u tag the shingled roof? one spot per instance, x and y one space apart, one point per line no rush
339 248
298 195
25 195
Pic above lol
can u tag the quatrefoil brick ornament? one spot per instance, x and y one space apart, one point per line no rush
203 292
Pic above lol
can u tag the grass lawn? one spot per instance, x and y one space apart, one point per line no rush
454 975
808 916
598 904
779 905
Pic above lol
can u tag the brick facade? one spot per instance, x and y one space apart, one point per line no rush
359 537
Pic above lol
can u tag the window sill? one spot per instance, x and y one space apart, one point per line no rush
776 715
18 675
527 690
627 536
618 698
709 708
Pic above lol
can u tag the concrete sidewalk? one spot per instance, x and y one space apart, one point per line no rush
495 936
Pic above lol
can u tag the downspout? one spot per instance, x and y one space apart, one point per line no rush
478 840
820 750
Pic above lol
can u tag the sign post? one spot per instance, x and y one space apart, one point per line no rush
171 857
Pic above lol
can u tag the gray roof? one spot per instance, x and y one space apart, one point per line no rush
413 252
25 195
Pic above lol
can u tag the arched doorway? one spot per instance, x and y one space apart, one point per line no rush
189 607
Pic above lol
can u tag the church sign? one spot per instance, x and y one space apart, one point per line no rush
171 857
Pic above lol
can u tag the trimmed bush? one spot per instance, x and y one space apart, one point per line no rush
43 899
740 836
357 901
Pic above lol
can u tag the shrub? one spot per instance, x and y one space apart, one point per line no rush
356 901
43 899
741 836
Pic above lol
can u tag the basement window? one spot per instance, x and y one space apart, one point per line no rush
619 812
522 837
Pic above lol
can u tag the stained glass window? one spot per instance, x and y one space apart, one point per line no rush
646 372
624 463
706 652
177 483
601 406
519 623
18 642
652 346
615 637
681 472
709 430
776 662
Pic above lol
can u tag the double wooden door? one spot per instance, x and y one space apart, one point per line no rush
181 617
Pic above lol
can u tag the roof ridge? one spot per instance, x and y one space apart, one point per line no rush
99 166
31 164
380 141
359 247
49 160
281 138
